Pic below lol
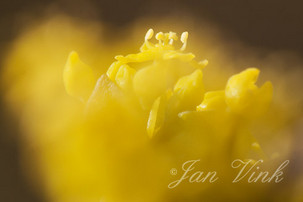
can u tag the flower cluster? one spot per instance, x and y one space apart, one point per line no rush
132 122
166 82
152 106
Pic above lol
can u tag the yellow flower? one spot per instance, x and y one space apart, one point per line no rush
155 94
170 83
170 78
147 113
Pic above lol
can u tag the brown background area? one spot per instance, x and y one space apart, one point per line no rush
270 25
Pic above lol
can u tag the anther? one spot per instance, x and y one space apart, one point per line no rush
183 39
149 34
160 36
172 36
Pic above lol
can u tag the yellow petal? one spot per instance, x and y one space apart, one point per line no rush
105 94
190 89
113 69
243 95
157 115
78 77
214 100
124 77
185 57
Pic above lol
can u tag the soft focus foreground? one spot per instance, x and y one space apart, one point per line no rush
129 121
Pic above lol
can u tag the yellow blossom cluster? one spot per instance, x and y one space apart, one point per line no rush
118 131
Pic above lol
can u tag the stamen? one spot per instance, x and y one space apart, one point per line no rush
160 37
183 39
149 34
119 57
172 36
